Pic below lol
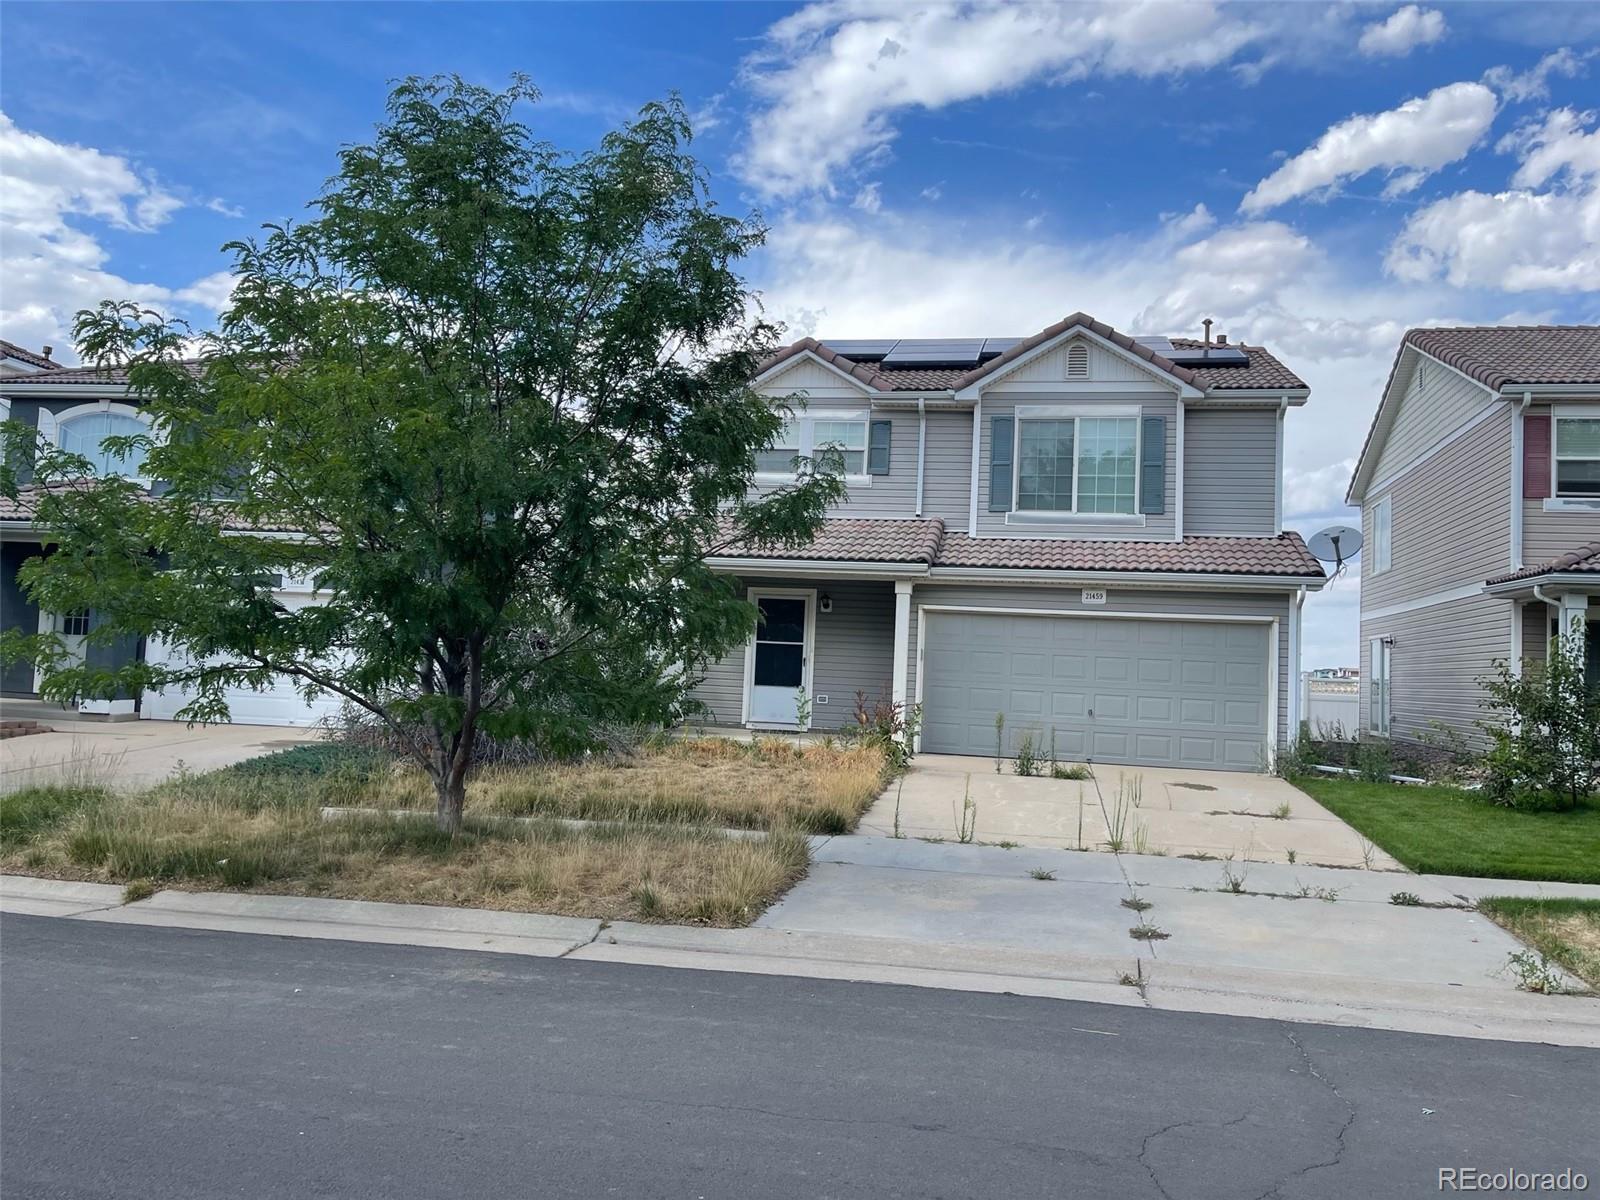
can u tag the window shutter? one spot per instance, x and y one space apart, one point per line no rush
1536 456
878 447
1000 440
1153 466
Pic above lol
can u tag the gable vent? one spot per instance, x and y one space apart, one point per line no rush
1077 361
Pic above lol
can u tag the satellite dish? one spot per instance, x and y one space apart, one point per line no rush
1335 544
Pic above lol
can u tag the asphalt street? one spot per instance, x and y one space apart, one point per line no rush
141 1062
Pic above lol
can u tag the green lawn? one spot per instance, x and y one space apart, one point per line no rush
1443 831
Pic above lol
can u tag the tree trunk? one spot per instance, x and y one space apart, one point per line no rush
451 789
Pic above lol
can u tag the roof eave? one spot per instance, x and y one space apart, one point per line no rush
1515 391
1526 583
1208 579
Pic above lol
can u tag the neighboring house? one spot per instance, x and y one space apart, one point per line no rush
1079 531
18 360
1342 673
1479 489
77 408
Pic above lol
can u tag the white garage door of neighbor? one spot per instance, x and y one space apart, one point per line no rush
1114 690
278 704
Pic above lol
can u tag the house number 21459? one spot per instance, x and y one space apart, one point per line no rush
1094 595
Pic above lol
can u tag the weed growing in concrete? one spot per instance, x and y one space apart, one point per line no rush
897 791
1281 813
1080 816
999 740
1129 795
138 889
1137 903
1008 845
967 817
1291 858
1069 771
1307 892
1534 972
1135 978
1369 852
1041 874
1405 899
1146 932
1027 763
1232 881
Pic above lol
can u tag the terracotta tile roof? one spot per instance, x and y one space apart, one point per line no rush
25 508
115 376
1285 555
1498 356
919 543
857 540
32 357
1583 560
1263 370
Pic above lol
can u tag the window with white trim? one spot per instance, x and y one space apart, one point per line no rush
817 437
1577 457
1382 534
1378 693
85 435
1077 464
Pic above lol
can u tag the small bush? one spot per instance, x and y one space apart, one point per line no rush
1546 751
1373 761
888 727
1027 763
1076 771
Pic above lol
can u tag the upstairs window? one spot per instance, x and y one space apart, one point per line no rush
1577 457
1078 465
1378 551
84 433
840 435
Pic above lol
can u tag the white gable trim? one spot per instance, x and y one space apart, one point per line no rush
1158 376
788 364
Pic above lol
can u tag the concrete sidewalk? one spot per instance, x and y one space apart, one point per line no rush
1476 1008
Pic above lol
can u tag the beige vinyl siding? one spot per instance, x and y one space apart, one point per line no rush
1436 402
1068 601
1450 519
1150 528
854 652
1230 472
1438 656
1536 630
1104 366
947 487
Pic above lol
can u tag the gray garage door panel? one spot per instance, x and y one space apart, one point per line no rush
1179 693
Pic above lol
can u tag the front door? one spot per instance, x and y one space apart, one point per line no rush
73 629
781 657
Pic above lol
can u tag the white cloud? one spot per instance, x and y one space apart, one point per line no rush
221 207
869 199
932 193
833 76
1405 30
1521 239
1534 83
52 261
1410 142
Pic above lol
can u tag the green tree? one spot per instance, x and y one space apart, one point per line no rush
492 397
1546 749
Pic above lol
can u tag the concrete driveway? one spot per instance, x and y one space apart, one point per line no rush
132 754
1141 810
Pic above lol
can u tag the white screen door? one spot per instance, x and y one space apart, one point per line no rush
781 653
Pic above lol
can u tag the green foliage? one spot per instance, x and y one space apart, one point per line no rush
500 393
999 740
1070 771
889 727
29 811
1373 761
318 760
1546 751
1298 757
1027 758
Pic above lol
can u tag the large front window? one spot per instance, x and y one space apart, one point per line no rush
86 436
1077 464
1578 457
845 439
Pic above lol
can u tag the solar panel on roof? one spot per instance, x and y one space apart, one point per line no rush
928 352
1157 345
865 348
1213 356
994 347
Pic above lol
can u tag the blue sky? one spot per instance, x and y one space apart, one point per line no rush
1315 177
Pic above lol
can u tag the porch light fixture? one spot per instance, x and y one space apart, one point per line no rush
825 603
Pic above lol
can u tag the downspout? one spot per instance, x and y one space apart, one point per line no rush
1277 491
1177 507
1297 682
977 441
1517 479
922 446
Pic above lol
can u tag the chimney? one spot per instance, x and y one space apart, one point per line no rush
1222 339
47 351
1207 326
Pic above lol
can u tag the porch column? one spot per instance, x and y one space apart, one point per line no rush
1574 616
902 639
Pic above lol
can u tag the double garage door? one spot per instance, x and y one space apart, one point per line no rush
1115 690
279 703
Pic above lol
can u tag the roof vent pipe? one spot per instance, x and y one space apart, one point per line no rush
47 350
1222 339
1206 324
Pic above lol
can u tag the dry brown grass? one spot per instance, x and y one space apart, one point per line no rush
768 784
267 835
1563 929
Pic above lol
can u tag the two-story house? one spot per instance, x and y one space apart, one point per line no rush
1479 489
1079 532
